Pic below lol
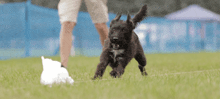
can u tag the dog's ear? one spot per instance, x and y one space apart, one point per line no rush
129 21
140 15
128 18
118 16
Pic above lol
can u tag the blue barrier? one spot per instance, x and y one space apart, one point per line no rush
27 30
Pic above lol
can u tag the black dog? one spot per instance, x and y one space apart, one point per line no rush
122 45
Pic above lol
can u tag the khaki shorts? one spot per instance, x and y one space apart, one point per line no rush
68 10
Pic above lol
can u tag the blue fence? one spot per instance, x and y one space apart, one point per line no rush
28 30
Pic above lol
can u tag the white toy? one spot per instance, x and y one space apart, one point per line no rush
53 73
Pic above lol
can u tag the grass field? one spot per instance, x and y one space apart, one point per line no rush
171 76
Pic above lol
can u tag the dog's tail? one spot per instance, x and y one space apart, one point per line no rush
140 15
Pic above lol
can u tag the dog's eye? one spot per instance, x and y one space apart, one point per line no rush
124 30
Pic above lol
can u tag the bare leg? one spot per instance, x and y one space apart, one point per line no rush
66 38
102 30
66 41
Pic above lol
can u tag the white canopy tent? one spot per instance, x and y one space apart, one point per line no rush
198 13
194 12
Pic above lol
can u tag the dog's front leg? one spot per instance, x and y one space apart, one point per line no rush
100 70
140 57
104 60
122 62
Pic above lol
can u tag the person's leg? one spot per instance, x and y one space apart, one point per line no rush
98 11
103 31
68 11
66 41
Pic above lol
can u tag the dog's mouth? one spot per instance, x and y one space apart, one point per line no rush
115 46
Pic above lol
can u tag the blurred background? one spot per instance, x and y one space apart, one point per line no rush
31 28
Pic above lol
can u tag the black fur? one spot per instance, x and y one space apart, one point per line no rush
122 45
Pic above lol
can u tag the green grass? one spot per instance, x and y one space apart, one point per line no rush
171 76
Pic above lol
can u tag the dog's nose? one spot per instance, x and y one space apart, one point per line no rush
114 39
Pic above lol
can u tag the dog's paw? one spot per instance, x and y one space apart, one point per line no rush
144 73
93 78
113 74
96 77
